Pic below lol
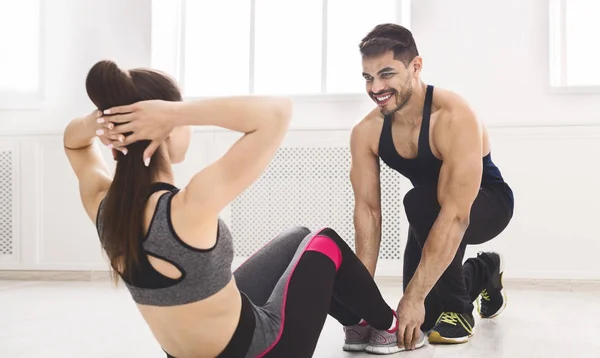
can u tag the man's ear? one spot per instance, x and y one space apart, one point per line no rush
417 64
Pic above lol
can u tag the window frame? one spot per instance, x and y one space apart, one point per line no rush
11 100
557 44
402 16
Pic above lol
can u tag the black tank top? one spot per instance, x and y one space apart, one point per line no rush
424 170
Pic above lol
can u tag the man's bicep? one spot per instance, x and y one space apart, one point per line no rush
364 172
365 184
460 181
460 175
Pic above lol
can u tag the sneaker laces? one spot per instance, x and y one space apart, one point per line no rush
449 317
485 295
453 318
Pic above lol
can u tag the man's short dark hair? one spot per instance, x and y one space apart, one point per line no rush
390 37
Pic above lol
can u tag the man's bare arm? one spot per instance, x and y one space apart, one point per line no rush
364 176
460 180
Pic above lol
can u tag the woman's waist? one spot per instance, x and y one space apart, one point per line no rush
197 329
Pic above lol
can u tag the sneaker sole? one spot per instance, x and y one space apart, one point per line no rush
505 302
382 350
436 338
354 347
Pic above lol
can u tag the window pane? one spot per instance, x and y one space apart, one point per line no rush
348 22
20 43
288 47
165 32
583 53
217 47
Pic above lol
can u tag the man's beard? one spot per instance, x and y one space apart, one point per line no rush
400 97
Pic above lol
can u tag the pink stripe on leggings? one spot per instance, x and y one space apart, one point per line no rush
328 247
319 243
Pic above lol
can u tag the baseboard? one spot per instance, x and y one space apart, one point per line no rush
65 267
104 276
46 275
519 283
387 273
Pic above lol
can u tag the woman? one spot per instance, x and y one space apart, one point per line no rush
173 252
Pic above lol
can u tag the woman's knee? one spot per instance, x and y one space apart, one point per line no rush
288 240
334 236
301 231
295 233
327 242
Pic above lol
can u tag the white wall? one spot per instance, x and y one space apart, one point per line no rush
501 68
51 227
496 55
78 34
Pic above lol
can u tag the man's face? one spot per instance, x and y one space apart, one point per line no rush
388 82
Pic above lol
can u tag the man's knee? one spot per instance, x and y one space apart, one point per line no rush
421 203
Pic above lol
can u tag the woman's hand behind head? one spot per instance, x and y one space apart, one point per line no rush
151 120
136 95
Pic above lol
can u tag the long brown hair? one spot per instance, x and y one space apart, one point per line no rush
123 213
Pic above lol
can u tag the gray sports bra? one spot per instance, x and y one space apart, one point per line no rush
204 272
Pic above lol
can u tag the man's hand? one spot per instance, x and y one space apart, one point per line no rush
411 314
151 120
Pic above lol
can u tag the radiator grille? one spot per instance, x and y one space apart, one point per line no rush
6 203
311 187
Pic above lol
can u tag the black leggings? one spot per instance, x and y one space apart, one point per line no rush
461 283
291 285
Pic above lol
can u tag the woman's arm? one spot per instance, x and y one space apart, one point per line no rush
86 160
155 119
263 120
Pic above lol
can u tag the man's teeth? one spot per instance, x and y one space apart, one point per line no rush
381 99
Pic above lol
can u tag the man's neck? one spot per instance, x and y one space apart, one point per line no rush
412 111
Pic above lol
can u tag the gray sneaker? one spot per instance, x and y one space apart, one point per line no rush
386 342
357 337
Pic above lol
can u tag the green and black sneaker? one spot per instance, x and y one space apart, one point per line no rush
452 328
493 298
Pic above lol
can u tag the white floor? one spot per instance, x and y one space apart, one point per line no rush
94 319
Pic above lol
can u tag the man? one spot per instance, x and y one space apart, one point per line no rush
459 198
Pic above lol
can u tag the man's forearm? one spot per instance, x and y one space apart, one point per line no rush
367 227
438 252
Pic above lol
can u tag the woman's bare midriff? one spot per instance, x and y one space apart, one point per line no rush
199 329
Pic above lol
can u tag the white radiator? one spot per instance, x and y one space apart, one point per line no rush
8 247
310 186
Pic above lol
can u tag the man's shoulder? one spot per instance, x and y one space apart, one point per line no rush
366 131
452 109
372 122
455 121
